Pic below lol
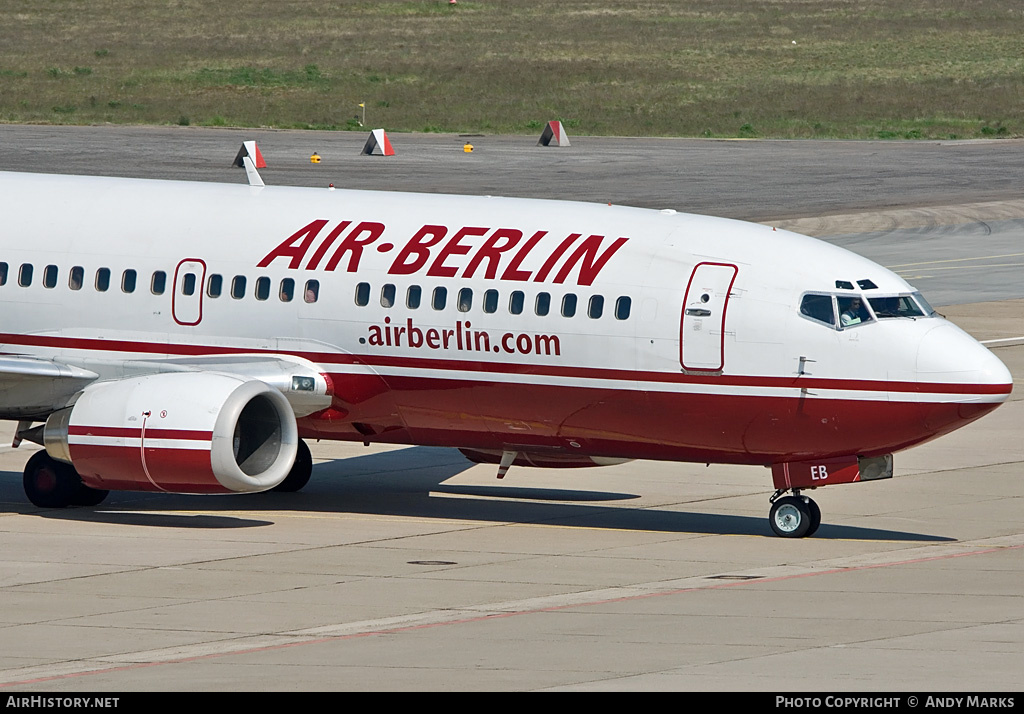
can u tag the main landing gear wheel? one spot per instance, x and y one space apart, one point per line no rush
302 469
53 484
88 496
815 517
794 517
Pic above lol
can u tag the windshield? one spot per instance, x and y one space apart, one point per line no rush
896 306
928 309
856 310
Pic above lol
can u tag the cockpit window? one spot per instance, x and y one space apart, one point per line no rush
852 311
928 309
895 306
867 285
818 307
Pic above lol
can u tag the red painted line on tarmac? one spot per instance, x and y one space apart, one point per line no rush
484 618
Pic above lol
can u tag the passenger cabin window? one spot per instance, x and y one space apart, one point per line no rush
3 273
387 296
363 294
440 298
491 301
103 280
215 285
262 288
312 293
819 307
465 300
50 276
516 301
622 307
25 275
128 280
238 287
76 277
568 305
542 306
158 284
596 307
188 284
287 290
413 296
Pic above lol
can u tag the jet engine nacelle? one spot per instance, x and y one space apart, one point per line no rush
180 432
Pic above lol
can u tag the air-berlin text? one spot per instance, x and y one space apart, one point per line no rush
445 252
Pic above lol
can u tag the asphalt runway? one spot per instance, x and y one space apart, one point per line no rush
749 180
407 568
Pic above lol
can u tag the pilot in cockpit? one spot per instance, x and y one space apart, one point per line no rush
851 315
887 307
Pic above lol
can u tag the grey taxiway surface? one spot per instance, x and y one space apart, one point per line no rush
409 568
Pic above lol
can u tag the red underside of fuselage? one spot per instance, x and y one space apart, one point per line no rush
619 420
629 423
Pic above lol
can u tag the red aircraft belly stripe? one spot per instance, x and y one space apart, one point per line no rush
793 382
136 431
637 424
119 346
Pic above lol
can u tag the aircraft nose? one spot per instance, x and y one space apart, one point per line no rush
947 354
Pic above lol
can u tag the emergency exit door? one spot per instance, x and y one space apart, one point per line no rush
702 329
187 297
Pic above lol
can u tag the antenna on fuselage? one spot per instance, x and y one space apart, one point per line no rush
250 158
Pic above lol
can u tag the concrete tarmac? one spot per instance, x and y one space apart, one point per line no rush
407 568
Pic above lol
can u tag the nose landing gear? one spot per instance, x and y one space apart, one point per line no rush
793 516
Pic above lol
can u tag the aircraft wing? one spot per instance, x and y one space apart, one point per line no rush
31 387
298 379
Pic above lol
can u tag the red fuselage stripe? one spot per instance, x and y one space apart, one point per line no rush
131 432
374 361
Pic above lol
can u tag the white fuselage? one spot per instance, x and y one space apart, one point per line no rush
690 339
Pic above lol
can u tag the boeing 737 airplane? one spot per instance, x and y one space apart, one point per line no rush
186 337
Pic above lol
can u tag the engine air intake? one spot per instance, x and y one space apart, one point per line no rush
182 432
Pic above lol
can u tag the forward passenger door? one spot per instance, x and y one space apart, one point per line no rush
702 328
